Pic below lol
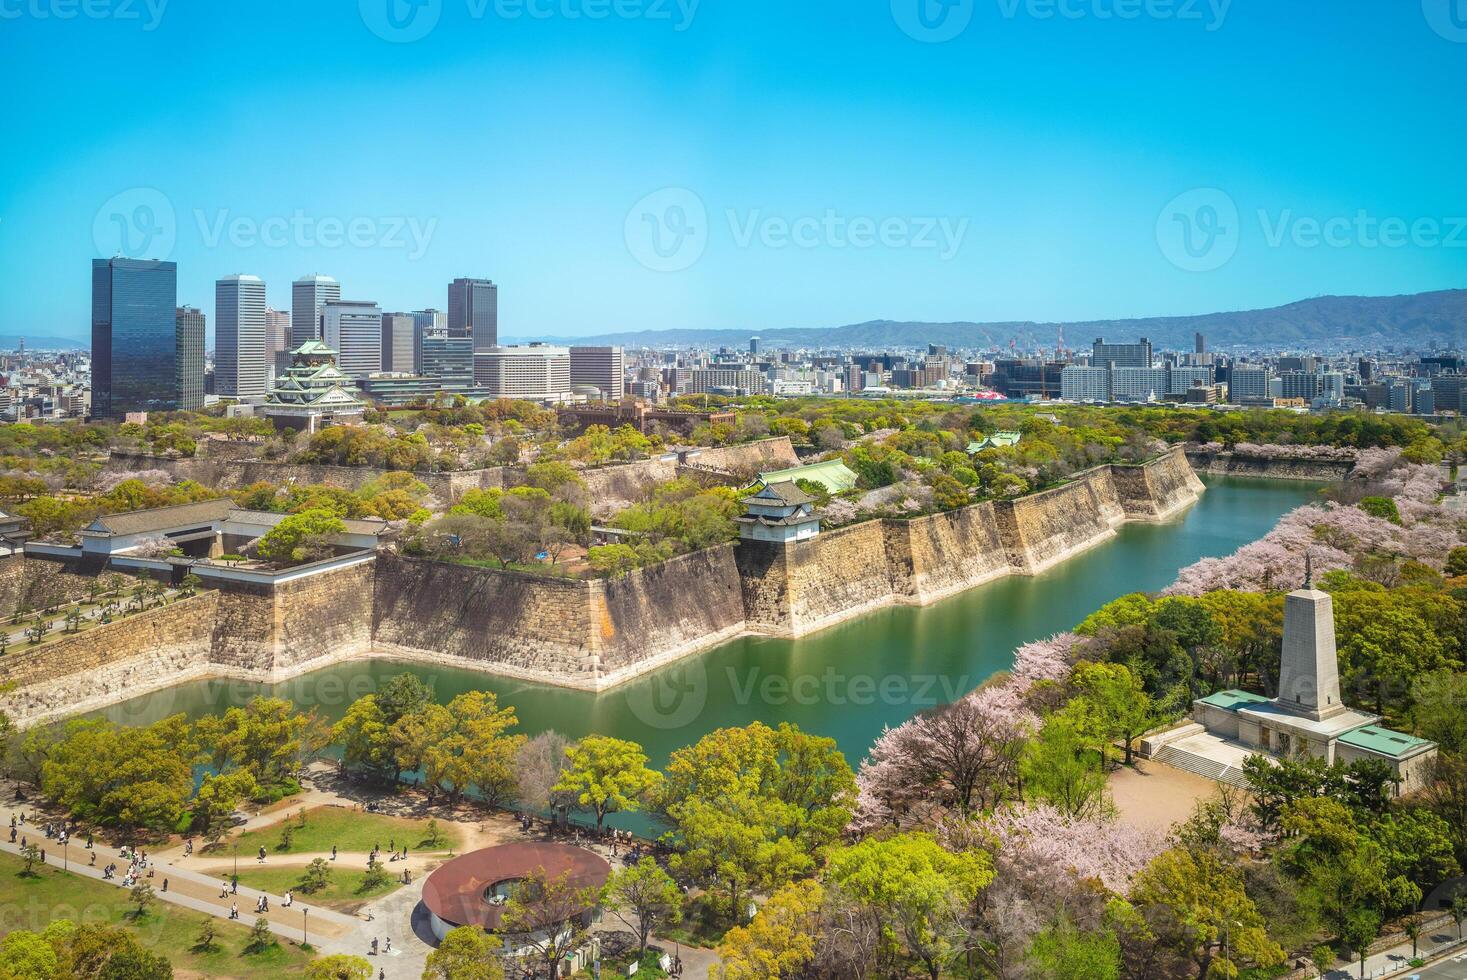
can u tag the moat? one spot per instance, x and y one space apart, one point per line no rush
846 682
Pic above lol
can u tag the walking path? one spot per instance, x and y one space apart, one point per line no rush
195 881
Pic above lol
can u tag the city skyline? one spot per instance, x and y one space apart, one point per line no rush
1040 161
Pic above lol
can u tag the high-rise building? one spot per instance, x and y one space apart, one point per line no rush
432 323
239 336
1249 382
277 332
134 337
402 343
604 367
1137 355
353 329
473 311
189 357
308 298
1199 344
450 360
534 372
753 345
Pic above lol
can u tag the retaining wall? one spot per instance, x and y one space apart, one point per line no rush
1272 467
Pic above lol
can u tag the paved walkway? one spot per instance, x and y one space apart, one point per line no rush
195 882
1438 936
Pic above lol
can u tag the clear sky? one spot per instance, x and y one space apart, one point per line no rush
636 164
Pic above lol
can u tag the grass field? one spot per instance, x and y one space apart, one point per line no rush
349 830
32 903
344 893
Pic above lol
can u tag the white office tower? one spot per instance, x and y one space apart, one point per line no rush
533 372
601 367
308 298
240 369
353 329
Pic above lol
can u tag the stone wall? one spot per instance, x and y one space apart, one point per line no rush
804 587
777 453
614 488
70 582
506 621
230 474
589 634
110 663
1274 468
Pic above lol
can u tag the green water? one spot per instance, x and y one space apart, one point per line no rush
846 682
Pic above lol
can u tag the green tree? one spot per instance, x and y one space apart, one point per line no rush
1201 893
466 953
261 938
1362 928
339 967
608 775
540 900
27 956
1116 698
643 896
780 941
919 892
266 738
1063 766
316 877
140 897
301 537
1064 951
216 800
751 808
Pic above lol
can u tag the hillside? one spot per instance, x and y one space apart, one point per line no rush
1424 321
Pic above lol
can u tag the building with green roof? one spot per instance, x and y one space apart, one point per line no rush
832 474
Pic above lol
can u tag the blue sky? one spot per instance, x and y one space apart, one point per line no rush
640 164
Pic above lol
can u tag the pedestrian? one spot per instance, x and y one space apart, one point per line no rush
389 944
333 852
165 886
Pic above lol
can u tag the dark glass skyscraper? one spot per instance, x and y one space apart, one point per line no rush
473 311
134 337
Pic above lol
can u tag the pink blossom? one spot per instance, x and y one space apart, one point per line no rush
1039 838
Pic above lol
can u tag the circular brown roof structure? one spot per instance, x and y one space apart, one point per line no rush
459 892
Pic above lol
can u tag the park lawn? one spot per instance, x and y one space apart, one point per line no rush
348 830
32 903
344 893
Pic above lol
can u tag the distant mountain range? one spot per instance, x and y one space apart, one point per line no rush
10 341
1424 321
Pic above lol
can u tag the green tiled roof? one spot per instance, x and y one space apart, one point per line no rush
1232 700
833 474
1373 738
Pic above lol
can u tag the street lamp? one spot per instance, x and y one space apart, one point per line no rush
65 866
305 925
